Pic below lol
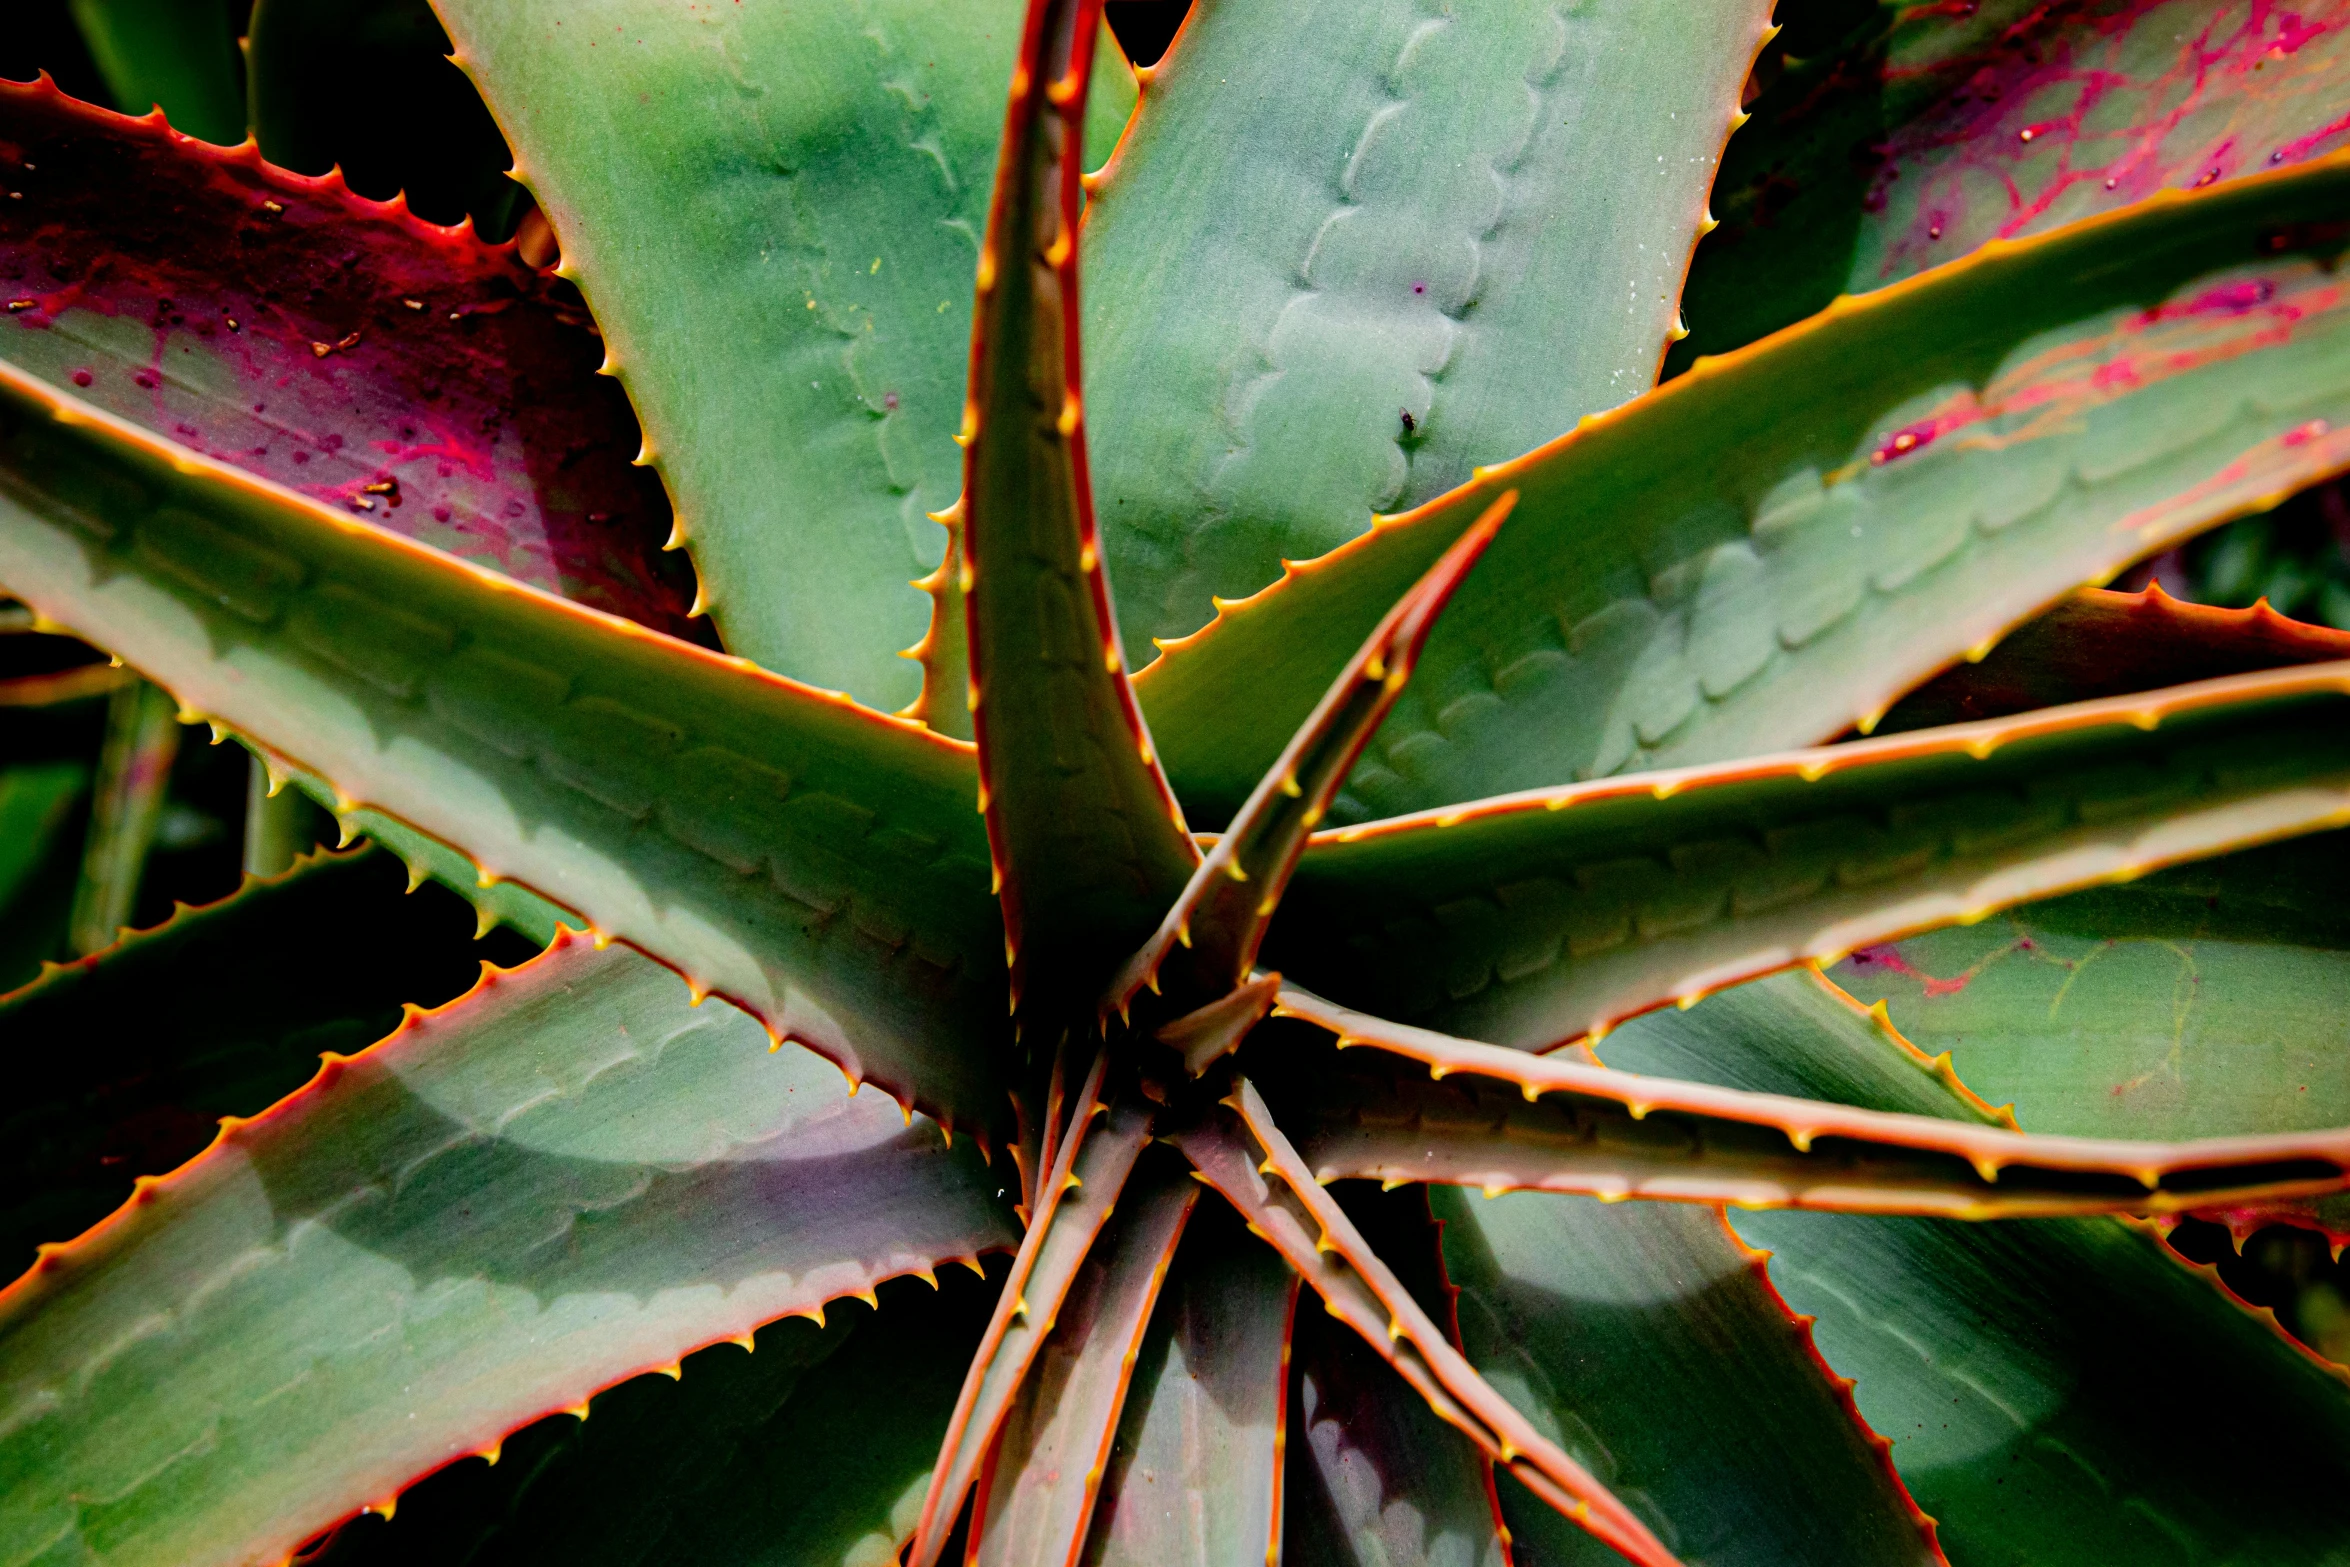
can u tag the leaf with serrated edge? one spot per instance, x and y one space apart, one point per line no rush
1502 1119
218 1011
1297 1218
1346 252
1892 138
1536 919
1646 1333
1195 1474
445 391
1375 1478
1777 545
2200 1001
563 1178
812 1449
801 267
2099 644
1079 1192
1088 842
2008 1363
1220 920
1047 1467
813 862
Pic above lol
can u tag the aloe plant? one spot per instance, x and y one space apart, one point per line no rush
1549 867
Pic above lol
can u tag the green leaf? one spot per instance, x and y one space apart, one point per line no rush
2098 644
444 391
1037 1502
565 1178
122 1064
1375 1478
1505 1119
1088 843
40 802
2034 1378
1069 1217
1683 581
1892 137
775 213
134 769
811 1452
1535 919
2196 1002
176 55
1220 920
1615 1327
1195 1474
815 863
1234 1150
1349 251
419 130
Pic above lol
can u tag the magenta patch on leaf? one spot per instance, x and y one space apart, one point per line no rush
409 374
1888 958
2079 106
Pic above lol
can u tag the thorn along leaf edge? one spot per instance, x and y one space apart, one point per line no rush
1175 1048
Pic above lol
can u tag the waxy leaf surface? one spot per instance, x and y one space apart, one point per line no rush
1766 552
776 214
1534 919
408 374
1612 1327
2013 1366
1889 138
1088 843
125 1061
2199 1001
811 1451
569 1176
2098 644
1348 252
1195 1476
818 864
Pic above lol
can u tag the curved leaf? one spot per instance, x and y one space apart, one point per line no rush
1647 1340
776 213
2099 644
1535 919
564 1178
816 863
813 1452
1346 252
1088 843
1895 136
122 1063
443 391
1765 552
1077 1196
1375 1478
1195 1476
1503 1119
2201 1001
2013 1365
1314 1235
1220 920
1046 1472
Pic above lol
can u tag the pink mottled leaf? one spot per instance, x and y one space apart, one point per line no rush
435 385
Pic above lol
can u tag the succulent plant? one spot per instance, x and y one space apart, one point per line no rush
1447 889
